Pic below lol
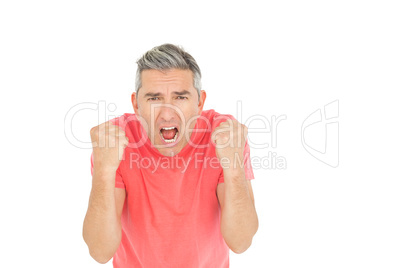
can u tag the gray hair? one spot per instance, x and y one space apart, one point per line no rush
168 56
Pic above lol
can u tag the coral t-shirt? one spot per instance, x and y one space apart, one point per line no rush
171 214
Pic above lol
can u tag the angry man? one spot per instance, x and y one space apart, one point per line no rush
171 181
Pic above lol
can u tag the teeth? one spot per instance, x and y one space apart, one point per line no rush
167 128
171 140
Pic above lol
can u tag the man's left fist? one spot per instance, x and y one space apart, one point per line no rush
230 138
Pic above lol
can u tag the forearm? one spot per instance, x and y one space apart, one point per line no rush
102 228
239 220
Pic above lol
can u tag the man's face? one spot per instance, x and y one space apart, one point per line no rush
169 105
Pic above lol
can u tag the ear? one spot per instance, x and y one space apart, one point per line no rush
134 102
203 96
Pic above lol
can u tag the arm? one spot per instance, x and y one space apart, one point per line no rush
239 221
102 224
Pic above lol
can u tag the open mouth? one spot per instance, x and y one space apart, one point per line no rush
169 134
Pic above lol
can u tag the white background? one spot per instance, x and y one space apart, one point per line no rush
279 58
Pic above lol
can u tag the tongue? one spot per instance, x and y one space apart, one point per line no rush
168 134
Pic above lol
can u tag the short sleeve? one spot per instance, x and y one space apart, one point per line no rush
248 169
119 183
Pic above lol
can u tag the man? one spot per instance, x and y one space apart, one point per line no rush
171 182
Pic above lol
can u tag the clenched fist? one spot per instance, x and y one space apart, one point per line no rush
230 138
108 142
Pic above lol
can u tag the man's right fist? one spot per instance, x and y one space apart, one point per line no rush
108 143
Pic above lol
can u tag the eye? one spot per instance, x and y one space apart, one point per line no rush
153 99
181 97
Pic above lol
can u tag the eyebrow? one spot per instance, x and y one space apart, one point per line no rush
179 93
150 94
183 92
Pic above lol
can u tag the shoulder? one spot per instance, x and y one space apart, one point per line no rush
130 123
124 120
214 118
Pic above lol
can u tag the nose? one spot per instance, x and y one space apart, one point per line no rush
167 113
